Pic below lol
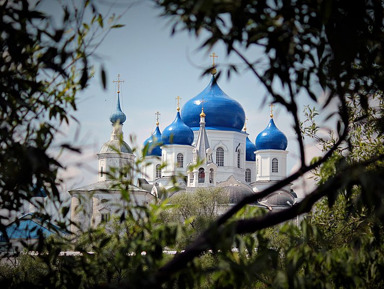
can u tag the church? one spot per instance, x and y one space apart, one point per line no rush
206 146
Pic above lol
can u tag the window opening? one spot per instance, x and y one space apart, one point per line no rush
201 175
211 176
248 175
158 171
180 160
275 165
105 217
220 157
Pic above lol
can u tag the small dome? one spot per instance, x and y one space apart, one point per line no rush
271 138
114 146
177 133
250 151
154 143
224 113
236 193
278 199
118 115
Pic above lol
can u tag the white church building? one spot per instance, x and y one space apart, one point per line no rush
206 146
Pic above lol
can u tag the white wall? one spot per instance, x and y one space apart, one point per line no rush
169 157
229 141
264 165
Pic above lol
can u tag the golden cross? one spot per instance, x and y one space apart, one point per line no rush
271 105
118 81
157 117
245 124
213 55
202 103
178 103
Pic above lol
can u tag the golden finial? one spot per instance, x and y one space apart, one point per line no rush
118 81
178 103
245 125
157 118
213 70
271 105
202 114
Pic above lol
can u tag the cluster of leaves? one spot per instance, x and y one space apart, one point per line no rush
331 47
198 208
44 63
308 44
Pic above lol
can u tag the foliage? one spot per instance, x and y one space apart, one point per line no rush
197 208
44 63
310 46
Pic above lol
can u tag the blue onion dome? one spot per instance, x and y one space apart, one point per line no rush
271 138
118 115
224 112
250 150
177 132
154 143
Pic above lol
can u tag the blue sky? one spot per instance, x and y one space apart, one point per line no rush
156 68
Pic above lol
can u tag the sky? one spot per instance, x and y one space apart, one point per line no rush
156 68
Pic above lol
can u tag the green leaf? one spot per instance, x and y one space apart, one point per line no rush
103 78
117 26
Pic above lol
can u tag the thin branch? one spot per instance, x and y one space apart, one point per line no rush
203 242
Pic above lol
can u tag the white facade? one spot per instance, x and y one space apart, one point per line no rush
151 168
233 162
176 158
114 154
204 173
250 170
233 145
271 165
98 202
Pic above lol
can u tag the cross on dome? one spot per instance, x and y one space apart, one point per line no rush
213 70
245 125
213 55
157 117
118 81
178 103
202 114
271 106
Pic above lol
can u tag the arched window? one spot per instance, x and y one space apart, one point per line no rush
275 165
105 217
158 171
180 160
201 175
238 159
211 176
220 157
248 175
101 172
